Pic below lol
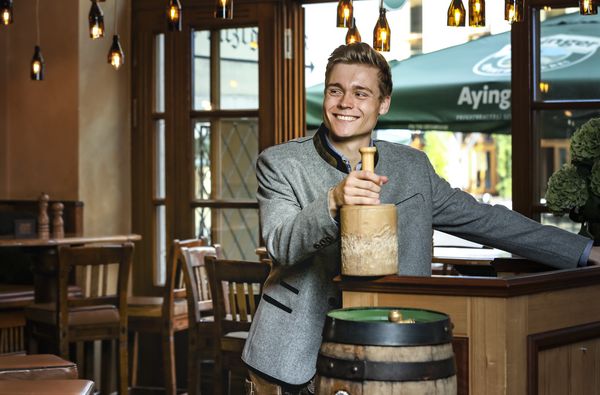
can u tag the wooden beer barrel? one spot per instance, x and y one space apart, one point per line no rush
364 353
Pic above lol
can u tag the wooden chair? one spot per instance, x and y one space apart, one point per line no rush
201 333
163 315
242 282
99 314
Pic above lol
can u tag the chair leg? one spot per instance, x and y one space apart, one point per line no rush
106 367
218 384
134 359
168 349
123 361
63 346
32 344
194 375
88 360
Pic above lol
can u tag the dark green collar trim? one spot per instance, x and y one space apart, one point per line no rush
328 154
325 151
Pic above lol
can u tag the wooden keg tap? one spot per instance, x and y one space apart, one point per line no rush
369 233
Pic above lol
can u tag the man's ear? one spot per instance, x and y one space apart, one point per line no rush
384 106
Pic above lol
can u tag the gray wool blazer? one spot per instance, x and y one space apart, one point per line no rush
303 241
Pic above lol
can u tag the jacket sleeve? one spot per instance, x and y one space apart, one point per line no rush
458 213
292 233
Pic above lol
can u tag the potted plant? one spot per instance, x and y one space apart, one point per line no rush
575 187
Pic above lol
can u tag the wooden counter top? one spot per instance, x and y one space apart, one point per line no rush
67 240
506 286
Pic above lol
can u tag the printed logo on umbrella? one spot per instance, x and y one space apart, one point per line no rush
558 51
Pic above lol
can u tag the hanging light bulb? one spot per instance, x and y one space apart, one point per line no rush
456 14
6 10
37 65
381 32
345 12
477 13
513 10
174 15
96 21
353 35
224 9
37 62
588 7
116 56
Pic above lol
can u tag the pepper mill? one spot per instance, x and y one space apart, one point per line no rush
43 220
369 233
58 230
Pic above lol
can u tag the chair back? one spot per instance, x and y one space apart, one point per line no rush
102 273
240 283
199 296
175 283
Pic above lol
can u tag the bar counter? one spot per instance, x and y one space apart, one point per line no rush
528 330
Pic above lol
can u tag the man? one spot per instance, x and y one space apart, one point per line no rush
302 185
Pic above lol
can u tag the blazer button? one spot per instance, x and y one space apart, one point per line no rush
316 246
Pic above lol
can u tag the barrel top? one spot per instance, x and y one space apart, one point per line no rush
380 314
371 326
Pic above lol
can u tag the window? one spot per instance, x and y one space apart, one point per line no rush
206 100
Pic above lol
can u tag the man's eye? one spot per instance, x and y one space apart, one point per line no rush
362 94
335 92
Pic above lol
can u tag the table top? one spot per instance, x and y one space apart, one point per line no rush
466 256
67 240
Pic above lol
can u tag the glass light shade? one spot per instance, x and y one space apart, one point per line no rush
456 14
96 21
224 9
174 15
381 33
6 12
353 35
477 13
37 65
588 7
116 56
513 10
345 13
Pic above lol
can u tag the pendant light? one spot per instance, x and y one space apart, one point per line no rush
116 56
174 16
6 10
96 21
381 32
456 14
477 13
513 10
588 7
345 12
353 35
37 62
224 9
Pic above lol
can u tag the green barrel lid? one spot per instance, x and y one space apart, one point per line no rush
371 326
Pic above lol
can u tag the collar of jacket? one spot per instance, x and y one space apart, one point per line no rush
328 154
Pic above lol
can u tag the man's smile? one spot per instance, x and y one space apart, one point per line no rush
345 117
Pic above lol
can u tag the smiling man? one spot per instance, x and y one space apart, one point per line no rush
304 182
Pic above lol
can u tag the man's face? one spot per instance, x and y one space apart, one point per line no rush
352 101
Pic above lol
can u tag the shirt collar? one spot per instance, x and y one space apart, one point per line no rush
327 151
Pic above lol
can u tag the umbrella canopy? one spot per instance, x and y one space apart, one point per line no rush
467 87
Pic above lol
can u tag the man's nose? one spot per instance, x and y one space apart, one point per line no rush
346 101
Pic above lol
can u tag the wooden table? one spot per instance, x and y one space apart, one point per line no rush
44 255
517 334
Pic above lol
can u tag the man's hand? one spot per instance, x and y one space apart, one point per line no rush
359 187
594 258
